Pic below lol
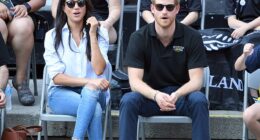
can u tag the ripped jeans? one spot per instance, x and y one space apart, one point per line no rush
83 103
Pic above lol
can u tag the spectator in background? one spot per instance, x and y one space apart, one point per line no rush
243 16
165 62
106 11
188 14
79 86
4 58
250 60
18 30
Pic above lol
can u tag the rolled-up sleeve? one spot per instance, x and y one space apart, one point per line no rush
52 60
103 42
253 61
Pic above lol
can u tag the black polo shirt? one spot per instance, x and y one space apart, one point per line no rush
186 6
166 66
246 10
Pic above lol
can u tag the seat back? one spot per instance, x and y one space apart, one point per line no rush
213 14
250 81
120 36
45 116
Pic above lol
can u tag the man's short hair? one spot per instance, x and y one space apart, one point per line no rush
176 1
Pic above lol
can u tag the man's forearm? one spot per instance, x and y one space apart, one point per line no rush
142 88
36 4
240 63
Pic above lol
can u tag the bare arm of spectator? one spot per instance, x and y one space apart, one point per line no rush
240 62
3 82
114 13
33 5
241 27
54 5
148 16
190 18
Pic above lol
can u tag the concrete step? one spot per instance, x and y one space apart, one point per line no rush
223 124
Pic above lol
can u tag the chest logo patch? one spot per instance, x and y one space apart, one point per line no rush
178 48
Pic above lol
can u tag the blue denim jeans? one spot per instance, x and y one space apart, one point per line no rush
83 103
194 105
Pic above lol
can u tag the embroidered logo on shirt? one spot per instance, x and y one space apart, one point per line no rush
178 48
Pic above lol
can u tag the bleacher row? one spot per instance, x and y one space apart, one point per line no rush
223 124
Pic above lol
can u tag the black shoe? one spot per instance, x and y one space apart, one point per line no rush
25 96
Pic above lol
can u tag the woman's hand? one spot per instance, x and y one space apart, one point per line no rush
4 12
20 11
2 100
92 21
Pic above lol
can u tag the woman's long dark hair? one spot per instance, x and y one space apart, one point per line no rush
61 20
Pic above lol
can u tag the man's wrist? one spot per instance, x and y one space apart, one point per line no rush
28 6
155 94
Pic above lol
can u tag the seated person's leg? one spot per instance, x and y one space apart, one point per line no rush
22 40
86 111
251 117
3 29
96 124
112 35
197 108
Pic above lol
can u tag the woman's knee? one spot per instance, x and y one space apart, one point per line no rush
249 115
88 93
21 26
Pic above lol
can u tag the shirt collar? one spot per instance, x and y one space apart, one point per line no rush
177 33
66 29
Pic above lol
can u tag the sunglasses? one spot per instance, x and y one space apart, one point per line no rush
160 7
71 4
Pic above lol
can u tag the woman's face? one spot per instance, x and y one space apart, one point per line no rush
75 10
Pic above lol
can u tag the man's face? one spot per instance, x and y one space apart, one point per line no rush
165 12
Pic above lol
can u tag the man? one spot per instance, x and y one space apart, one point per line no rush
250 60
17 28
4 58
188 14
106 11
165 65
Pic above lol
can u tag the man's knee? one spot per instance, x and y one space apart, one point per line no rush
198 98
129 100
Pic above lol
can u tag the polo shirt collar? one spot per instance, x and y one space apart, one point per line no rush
177 33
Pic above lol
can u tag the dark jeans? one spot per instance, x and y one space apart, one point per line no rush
194 105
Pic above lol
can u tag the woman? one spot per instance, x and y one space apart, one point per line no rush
76 59
106 11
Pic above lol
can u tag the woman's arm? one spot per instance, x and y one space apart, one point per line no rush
54 6
190 18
